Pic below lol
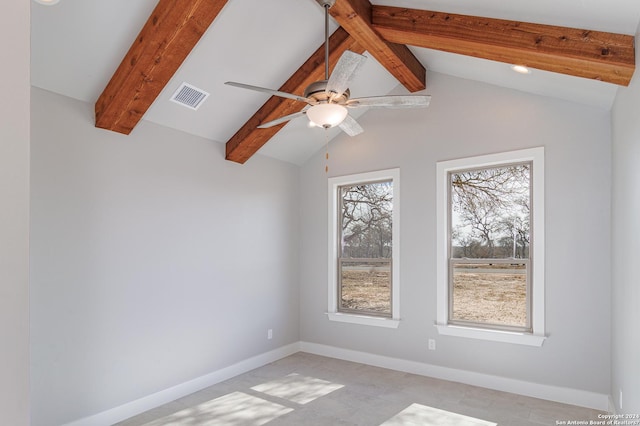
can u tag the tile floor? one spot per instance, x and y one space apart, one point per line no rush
308 390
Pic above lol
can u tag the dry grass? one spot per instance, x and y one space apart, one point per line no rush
366 290
496 298
481 296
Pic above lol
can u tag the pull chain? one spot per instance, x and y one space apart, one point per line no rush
326 155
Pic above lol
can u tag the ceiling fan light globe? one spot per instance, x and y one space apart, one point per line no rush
327 115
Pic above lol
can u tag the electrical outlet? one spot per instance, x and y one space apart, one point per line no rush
269 334
432 344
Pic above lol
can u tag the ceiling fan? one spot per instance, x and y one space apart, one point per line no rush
328 100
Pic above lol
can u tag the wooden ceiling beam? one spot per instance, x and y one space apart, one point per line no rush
355 17
596 55
175 27
249 139
167 38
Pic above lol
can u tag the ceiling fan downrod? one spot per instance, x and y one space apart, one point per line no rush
326 5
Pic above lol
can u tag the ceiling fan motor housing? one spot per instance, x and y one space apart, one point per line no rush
317 91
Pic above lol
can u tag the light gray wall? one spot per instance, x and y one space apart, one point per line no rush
154 261
468 118
626 247
14 212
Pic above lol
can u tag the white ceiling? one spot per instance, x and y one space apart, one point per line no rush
78 44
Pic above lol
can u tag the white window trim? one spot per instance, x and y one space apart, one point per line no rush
537 336
332 311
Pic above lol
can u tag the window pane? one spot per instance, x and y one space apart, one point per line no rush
365 286
366 212
490 212
490 293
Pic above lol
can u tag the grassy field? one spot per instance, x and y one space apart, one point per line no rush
497 298
479 295
366 290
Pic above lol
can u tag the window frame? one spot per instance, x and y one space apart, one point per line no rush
334 222
536 292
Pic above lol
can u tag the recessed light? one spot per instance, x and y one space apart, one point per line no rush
47 2
521 69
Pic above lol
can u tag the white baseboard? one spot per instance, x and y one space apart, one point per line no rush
146 403
563 395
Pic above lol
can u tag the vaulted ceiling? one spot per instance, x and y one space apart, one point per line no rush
395 37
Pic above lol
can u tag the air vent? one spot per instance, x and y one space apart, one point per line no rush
189 96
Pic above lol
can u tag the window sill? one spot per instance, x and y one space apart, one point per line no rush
491 335
364 320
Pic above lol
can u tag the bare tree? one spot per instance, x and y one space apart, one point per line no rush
490 209
366 220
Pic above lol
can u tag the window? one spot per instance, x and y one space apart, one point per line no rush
490 247
363 248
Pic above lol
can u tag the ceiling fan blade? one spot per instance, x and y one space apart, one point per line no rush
399 101
269 91
350 126
345 70
282 119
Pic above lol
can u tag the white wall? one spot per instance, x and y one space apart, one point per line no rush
468 118
625 247
153 260
14 212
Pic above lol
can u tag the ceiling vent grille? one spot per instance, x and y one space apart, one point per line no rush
189 96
